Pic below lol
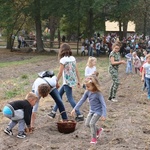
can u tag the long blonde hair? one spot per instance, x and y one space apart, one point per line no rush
90 60
93 80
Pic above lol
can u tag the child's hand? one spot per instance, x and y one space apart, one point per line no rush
123 62
142 79
96 73
73 112
102 118
29 130
79 85
57 85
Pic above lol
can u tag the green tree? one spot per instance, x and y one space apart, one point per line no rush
12 20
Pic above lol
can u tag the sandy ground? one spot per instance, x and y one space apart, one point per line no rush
127 126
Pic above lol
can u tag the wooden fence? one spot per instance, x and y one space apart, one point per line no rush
73 45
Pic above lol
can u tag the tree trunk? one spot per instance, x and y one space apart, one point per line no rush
78 28
9 40
90 24
8 46
145 25
120 31
125 26
58 37
53 24
38 26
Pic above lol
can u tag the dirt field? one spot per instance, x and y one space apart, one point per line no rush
128 121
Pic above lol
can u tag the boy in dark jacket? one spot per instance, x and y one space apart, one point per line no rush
20 112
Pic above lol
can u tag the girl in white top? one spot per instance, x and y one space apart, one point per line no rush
68 70
91 66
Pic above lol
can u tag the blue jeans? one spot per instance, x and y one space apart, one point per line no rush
147 80
57 98
98 52
90 51
129 67
68 90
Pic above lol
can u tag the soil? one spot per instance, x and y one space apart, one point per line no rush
128 121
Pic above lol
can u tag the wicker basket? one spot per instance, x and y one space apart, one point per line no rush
66 126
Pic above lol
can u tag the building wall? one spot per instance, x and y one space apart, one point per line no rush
114 26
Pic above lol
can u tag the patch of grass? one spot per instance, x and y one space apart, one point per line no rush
11 94
23 84
19 86
24 76
22 62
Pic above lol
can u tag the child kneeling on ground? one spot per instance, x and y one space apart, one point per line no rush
20 112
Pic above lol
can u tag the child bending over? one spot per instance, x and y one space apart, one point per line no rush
20 112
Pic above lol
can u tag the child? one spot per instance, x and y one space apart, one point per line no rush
98 45
146 74
91 66
42 87
20 112
144 58
136 62
141 68
115 61
129 62
97 106
68 69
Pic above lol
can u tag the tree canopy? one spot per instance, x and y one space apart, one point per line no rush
74 17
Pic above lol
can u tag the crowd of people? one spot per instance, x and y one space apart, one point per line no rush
26 41
99 45
68 70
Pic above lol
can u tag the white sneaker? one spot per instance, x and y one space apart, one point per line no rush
114 100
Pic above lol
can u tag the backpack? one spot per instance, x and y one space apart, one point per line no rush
46 74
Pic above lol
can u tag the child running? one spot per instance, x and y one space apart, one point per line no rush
20 112
97 106
68 69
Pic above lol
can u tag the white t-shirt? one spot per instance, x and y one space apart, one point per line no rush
146 66
89 71
39 81
98 46
82 48
69 72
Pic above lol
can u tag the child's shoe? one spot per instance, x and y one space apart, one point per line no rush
93 141
8 132
21 135
79 118
99 132
114 100
52 114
